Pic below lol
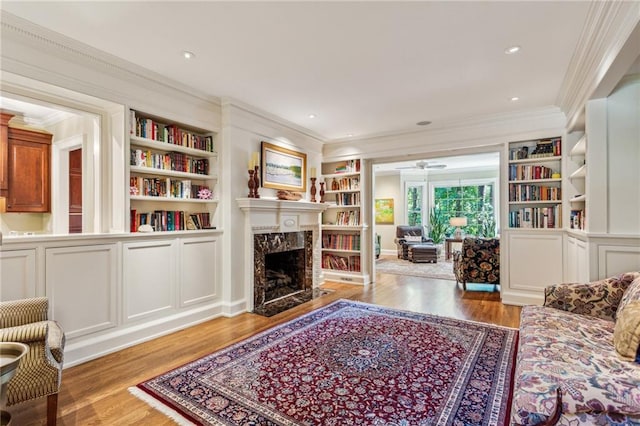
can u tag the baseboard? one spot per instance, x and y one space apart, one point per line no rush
520 298
87 348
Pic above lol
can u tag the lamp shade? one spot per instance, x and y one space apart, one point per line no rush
458 221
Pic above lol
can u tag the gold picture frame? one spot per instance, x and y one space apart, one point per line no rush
283 168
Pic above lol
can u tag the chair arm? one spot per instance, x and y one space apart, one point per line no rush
24 311
599 299
34 332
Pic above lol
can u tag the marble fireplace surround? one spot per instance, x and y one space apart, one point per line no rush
279 225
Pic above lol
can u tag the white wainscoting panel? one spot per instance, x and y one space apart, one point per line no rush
614 260
17 274
198 270
149 279
534 262
81 283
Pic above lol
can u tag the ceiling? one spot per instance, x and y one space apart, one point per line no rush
362 68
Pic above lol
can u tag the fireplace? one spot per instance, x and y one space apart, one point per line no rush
283 271
282 240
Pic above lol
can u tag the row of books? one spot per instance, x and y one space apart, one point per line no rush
345 184
348 218
544 148
536 217
348 199
520 192
169 220
341 241
164 187
350 166
341 263
169 133
578 219
174 161
529 172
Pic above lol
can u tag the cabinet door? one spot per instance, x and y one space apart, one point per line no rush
29 181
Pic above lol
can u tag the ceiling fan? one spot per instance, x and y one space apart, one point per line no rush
422 165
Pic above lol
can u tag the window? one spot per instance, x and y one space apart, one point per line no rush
474 200
415 203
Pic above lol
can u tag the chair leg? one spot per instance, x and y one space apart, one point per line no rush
52 409
464 285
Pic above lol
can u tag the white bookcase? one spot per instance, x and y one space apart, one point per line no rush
344 238
535 184
172 175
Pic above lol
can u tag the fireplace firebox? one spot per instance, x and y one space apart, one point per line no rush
283 271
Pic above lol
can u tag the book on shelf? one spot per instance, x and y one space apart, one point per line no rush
522 192
341 241
543 148
173 161
169 220
349 166
147 128
529 172
577 219
348 218
536 217
341 263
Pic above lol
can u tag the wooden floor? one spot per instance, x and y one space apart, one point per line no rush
95 393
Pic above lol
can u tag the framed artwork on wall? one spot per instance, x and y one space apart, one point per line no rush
384 211
283 168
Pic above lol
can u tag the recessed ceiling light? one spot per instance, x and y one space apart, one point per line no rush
515 98
349 135
311 116
188 55
511 50
423 123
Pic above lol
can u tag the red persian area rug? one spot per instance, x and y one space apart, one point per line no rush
348 363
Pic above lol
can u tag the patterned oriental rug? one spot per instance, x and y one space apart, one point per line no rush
348 363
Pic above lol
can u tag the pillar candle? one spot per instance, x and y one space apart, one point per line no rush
313 172
255 159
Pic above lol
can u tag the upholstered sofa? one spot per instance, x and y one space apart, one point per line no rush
575 355
478 261
406 236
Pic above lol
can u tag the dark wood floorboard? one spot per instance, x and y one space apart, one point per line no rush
96 392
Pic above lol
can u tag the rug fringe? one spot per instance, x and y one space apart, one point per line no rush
157 405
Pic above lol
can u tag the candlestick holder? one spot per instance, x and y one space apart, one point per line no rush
322 192
313 190
252 184
256 179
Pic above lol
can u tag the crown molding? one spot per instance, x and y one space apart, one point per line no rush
607 29
234 106
74 51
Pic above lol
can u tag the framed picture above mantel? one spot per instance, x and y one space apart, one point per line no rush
283 168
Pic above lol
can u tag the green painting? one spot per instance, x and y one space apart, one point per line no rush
384 211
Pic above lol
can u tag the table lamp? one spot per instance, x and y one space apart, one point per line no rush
458 222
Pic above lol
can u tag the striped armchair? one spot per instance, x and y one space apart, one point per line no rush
40 371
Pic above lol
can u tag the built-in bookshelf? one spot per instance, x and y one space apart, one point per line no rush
577 216
172 175
535 184
342 222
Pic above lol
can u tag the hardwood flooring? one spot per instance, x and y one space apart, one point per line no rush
95 393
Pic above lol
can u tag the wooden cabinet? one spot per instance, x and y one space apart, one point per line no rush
28 175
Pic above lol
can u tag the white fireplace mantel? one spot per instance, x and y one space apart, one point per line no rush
273 215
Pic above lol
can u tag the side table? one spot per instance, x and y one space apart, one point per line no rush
447 246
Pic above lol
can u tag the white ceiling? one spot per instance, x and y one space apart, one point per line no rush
363 68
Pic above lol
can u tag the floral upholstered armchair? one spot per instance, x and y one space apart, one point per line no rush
478 261
40 371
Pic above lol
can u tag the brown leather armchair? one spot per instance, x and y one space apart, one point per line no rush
402 243
478 261
40 371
